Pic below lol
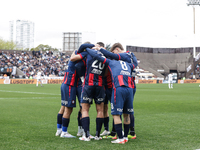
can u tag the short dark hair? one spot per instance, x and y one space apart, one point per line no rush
101 44
87 42
116 45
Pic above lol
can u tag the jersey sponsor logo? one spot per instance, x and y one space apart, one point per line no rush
87 99
64 102
119 109
100 99
96 71
112 107
125 73
130 110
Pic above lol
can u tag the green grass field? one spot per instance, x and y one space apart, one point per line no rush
164 119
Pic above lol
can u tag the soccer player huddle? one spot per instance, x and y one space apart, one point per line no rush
97 74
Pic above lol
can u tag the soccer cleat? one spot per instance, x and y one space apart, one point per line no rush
132 136
91 137
125 139
97 138
83 138
105 132
110 137
58 132
118 141
66 135
80 132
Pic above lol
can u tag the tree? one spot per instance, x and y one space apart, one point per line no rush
42 47
108 47
8 45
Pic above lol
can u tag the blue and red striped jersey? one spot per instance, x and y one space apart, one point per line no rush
120 70
127 56
107 79
95 71
70 77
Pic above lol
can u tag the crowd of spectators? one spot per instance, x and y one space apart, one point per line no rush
30 62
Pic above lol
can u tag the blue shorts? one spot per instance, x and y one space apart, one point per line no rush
108 92
122 101
93 92
78 94
68 95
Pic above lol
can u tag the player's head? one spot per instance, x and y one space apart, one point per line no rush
87 42
117 48
101 44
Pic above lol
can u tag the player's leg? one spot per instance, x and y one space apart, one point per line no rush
127 111
132 134
118 128
65 122
41 82
78 94
61 111
116 110
80 129
99 119
106 121
126 126
69 102
59 121
108 93
172 84
85 121
99 98
37 82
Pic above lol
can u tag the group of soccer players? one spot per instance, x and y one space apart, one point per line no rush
95 73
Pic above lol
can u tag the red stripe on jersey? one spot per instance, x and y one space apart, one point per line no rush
109 80
84 62
104 61
133 66
73 79
69 91
80 56
100 83
130 82
120 79
119 56
66 78
91 78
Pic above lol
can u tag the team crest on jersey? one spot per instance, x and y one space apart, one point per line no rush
73 101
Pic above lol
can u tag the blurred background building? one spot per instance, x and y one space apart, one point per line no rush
22 33
72 40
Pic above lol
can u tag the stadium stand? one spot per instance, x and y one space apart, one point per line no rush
27 63
162 61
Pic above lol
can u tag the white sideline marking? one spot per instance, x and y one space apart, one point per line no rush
28 92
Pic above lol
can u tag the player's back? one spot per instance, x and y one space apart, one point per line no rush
95 71
70 77
121 73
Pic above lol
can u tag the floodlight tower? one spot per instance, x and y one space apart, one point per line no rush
194 3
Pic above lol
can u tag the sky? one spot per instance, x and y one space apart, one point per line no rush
145 23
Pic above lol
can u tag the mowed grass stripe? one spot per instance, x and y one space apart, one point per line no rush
164 119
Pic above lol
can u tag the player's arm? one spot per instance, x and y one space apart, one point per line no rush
77 57
84 46
95 56
133 57
109 54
